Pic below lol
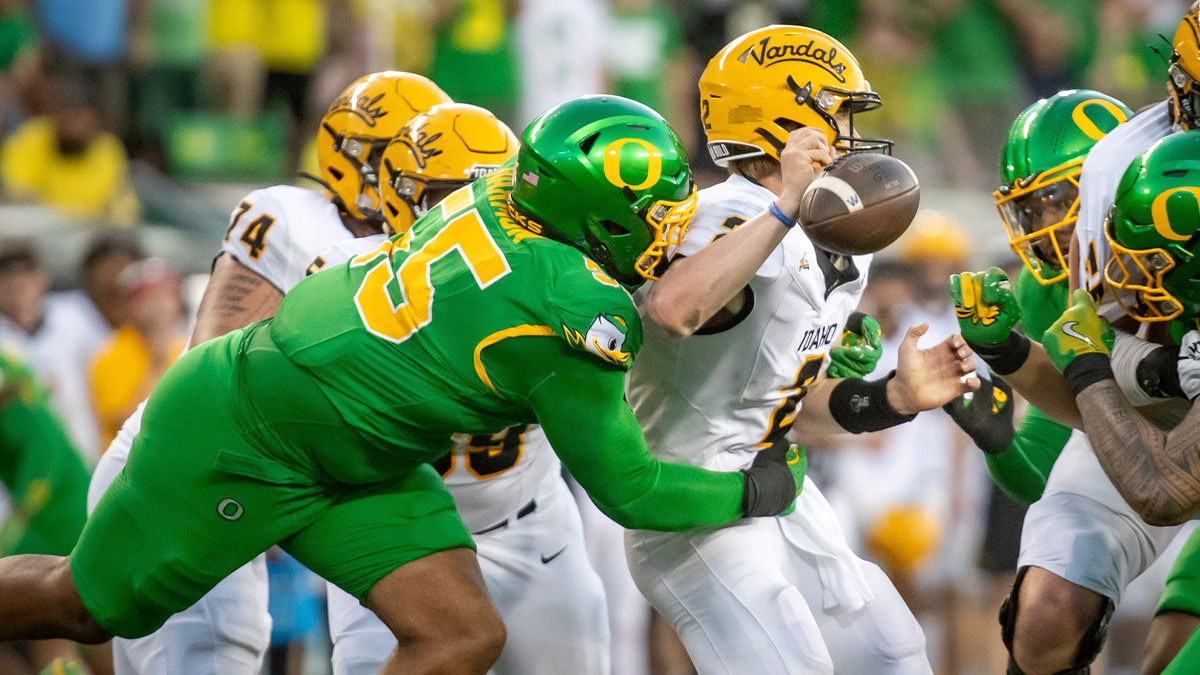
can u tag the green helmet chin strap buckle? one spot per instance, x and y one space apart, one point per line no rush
608 176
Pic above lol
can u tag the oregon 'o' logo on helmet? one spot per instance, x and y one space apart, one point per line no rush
1088 125
1162 220
612 163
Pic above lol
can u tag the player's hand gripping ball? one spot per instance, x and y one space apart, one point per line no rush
1080 330
859 351
985 305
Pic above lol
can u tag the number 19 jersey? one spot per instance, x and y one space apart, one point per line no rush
395 338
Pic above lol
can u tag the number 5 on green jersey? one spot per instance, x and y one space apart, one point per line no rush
396 304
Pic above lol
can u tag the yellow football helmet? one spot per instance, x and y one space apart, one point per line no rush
773 80
1183 83
438 152
356 129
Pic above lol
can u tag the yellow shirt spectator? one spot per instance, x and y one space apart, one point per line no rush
91 183
127 367
122 376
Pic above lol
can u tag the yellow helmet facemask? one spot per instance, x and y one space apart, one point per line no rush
356 129
1183 83
1022 205
438 152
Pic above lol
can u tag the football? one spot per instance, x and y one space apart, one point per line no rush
860 204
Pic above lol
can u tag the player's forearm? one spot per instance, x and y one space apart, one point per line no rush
1021 470
235 297
673 497
1041 384
693 289
1158 474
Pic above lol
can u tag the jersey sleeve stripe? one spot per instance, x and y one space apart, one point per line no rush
515 331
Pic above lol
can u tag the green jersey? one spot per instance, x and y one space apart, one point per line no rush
398 339
472 322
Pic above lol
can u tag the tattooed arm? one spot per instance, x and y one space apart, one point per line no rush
1157 472
235 297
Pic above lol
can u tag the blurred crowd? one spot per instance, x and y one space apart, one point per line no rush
143 112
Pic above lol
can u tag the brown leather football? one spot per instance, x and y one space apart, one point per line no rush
860 204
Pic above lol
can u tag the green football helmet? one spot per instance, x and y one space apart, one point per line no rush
1153 229
608 176
1043 156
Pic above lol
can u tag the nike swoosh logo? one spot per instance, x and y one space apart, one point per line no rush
547 558
1069 329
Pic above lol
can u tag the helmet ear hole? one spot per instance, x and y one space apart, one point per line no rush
338 175
788 125
586 144
613 228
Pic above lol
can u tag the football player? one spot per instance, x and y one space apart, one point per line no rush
1038 204
1152 230
44 476
317 426
273 236
508 486
758 308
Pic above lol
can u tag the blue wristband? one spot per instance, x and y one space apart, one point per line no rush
778 213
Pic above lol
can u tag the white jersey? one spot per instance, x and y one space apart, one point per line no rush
278 231
491 477
1101 173
714 400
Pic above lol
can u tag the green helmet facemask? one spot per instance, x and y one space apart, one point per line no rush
1043 156
608 176
1153 229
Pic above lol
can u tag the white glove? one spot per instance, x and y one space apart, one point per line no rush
1189 365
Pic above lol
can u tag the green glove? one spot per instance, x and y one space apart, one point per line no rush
860 349
797 460
1080 330
985 305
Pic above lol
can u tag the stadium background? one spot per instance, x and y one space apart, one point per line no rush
133 127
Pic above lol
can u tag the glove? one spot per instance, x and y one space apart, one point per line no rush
986 414
773 480
1189 365
1079 331
985 305
860 349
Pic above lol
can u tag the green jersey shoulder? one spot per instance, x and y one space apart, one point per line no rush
583 305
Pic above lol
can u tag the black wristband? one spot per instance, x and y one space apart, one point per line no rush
1158 373
768 486
1006 357
861 405
1087 370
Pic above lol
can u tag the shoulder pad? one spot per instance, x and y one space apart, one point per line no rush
595 314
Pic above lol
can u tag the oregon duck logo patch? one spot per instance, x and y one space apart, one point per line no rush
605 338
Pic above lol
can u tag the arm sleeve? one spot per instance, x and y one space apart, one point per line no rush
1021 470
580 404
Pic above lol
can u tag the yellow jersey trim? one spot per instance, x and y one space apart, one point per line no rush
515 331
